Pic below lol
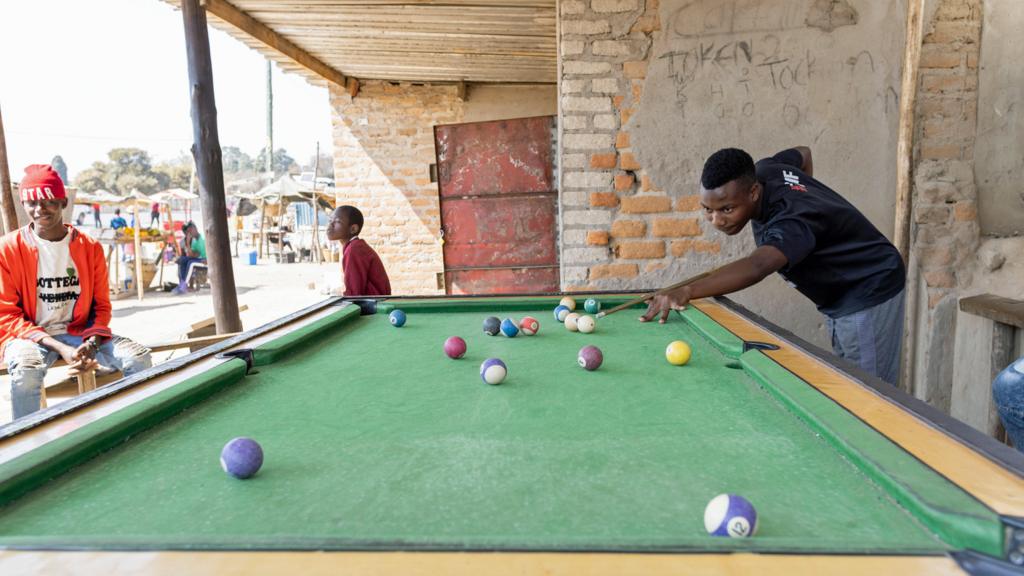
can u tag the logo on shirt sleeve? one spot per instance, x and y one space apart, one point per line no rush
794 181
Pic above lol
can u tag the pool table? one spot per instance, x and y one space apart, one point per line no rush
383 455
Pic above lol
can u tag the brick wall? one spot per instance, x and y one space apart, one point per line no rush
945 216
383 147
617 223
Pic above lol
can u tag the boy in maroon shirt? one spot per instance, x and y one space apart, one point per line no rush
363 270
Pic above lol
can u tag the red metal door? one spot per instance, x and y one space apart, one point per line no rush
499 210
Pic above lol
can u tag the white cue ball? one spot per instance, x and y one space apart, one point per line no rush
586 324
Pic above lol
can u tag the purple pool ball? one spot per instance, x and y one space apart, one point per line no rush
241 457
455 347
590 357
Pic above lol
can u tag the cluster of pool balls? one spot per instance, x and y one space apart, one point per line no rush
728 515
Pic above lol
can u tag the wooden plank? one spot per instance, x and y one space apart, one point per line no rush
260 563
200 342
998 308
266 35
995 486
212 321
905 139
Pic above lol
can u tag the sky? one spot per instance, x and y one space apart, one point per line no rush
112 73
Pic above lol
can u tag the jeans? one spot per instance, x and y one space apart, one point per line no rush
27 363
872 338
183 264
1008 392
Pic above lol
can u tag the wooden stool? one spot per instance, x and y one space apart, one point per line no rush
86 381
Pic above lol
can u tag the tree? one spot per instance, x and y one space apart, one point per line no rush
92 178
236 162
283 163
61 168
326 167
174 173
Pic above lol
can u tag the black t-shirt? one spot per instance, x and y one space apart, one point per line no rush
835 256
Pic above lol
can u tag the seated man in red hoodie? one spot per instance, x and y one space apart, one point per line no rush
363 270
54 298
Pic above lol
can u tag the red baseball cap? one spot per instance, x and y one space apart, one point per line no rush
41 182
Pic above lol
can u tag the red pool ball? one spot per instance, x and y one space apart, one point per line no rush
455 347
590 358
529 325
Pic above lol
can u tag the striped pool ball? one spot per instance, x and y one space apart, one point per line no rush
241 457
571 322
529 325
730 515
561 312
590 358
492 326
493 371
455 347
397 318
592 306
509 328
568 302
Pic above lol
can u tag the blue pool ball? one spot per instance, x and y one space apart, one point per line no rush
241 457
397 318
592 306
730 515
561 312
509 328
493 371
492 326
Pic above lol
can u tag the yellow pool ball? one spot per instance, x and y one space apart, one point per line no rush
569 303
678 353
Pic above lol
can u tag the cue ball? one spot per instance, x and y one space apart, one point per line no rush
509 328
492 326
397 318
730 515
592 306
241 457
570 322
455 347
529 325
590 358
586 324
493 371
678 353
561 312
568 302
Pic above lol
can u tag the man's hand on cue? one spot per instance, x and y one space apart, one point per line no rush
662 304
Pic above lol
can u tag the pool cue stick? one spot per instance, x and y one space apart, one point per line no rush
650 295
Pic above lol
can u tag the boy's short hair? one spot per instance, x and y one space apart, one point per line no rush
726 165
353 214
117 210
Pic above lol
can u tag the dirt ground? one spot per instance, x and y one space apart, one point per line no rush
269 289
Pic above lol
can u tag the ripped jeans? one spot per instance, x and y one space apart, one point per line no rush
27 363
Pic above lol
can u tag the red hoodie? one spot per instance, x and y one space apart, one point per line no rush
19 259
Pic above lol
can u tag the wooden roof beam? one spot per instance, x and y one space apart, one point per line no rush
266 35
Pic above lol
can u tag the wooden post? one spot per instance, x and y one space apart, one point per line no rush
905 143
280 227
10 216
137 240
314 245
207 154
263 223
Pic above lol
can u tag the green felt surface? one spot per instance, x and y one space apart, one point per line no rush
374 438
